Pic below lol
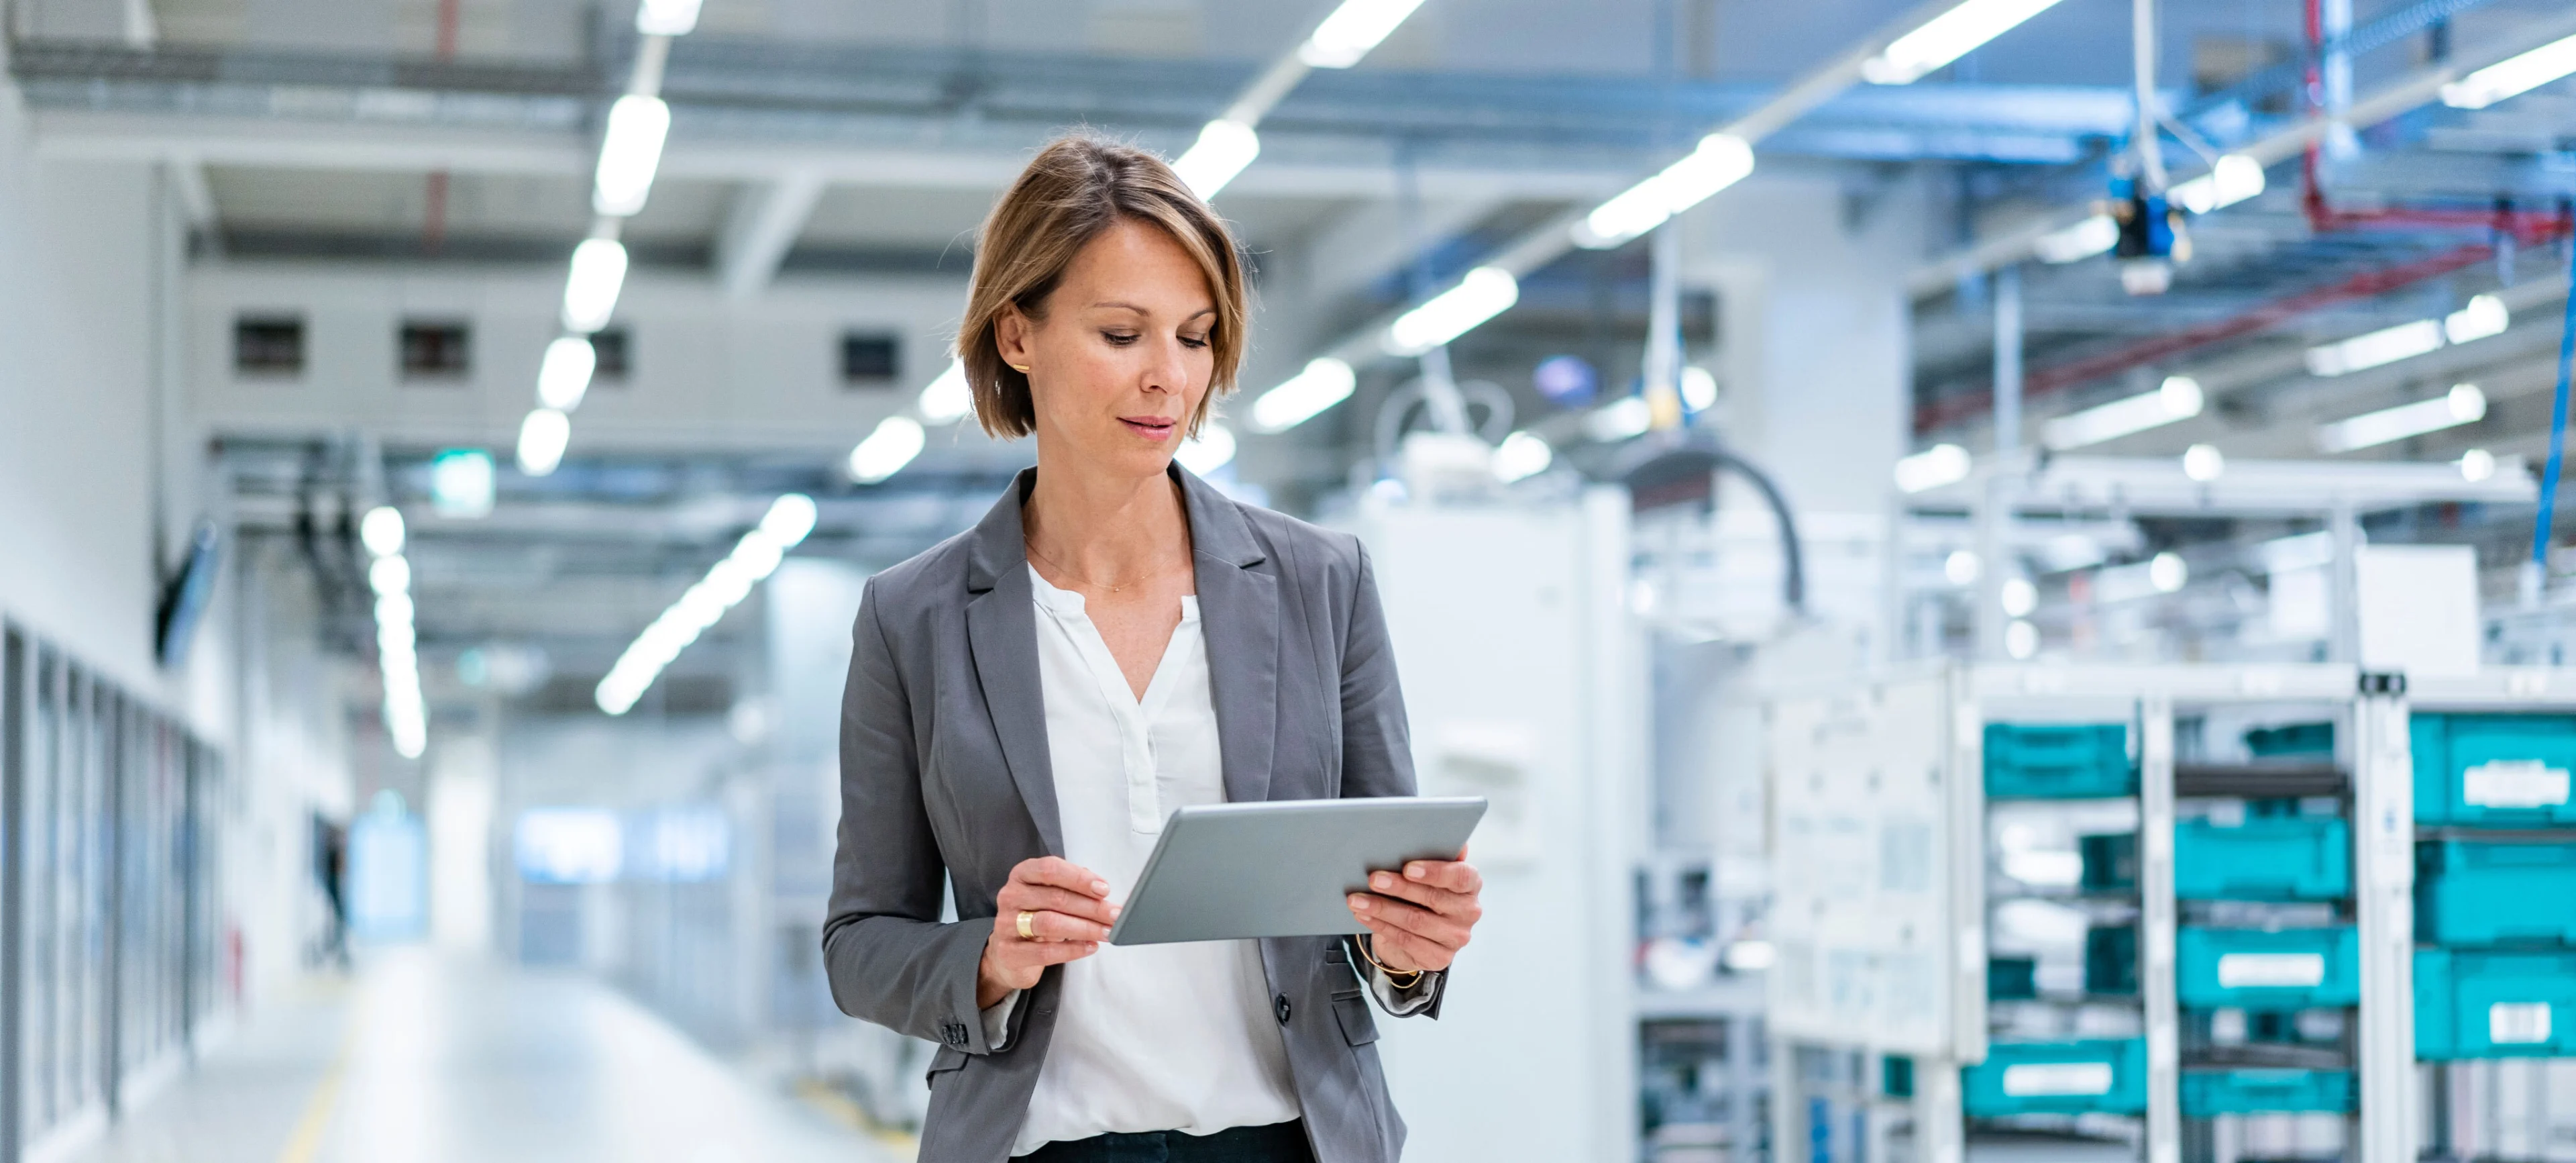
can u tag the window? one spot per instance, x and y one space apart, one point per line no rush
268 345
870 358
436 350
611 347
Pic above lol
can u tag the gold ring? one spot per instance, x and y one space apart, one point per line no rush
1027 933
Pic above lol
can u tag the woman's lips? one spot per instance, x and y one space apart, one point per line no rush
1150 427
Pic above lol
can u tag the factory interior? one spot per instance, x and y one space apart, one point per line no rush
1996 564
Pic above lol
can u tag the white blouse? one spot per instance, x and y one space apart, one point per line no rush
1147 1037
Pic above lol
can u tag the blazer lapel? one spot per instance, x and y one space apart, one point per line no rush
1239 615
1002 633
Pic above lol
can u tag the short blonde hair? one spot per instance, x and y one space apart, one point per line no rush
1071 193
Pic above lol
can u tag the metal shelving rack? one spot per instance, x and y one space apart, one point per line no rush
2373 772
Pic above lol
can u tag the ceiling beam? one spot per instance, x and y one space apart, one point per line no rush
763 225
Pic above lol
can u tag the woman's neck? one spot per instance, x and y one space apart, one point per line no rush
1105 531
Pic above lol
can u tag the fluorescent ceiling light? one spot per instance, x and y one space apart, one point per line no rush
1721 160
895 442
2484 316
1207 452
666 17
2477 465
1522 455
2179 398
2204 463
406 715
1961 567
629 154
542 437
460 483
2236 178
1946 38
2517 75
1699 389
564 376
753 558
2167 572
1941 464
2018 596
1224 147
590 292
2095 235
2463 404
1324 383
1484 293
381 530
1352 30
389 575
947 399
1620 420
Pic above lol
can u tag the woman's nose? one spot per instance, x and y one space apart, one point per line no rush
1170 369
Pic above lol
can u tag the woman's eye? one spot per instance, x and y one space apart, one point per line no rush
1197 341
1117 339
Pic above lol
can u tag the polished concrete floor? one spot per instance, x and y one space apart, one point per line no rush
425 1058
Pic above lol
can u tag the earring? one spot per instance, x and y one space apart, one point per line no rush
1021 368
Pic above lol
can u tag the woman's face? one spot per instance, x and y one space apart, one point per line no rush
1118 366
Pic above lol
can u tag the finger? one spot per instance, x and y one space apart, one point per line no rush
1034 898
1411 918
1454 875
1061 873
1404 952
1431 897
1055 926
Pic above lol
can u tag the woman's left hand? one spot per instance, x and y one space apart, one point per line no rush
1420 920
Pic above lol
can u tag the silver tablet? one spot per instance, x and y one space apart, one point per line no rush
1225 872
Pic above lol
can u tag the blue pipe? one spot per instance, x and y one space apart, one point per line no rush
2557 421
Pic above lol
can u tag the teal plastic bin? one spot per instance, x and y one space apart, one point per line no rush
2256 1092
2292 740
2111 960
2276 969
2107 1075
2110 862
2059 761
2494 1004
2475 893
2266 858
2494 771
2012 978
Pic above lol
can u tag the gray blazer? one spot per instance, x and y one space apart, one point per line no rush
945 780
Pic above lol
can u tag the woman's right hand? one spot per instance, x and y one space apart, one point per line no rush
1069 911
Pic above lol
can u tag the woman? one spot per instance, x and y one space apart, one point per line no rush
1029 700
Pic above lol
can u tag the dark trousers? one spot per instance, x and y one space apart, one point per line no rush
1276 1143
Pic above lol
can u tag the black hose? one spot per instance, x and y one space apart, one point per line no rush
1701 455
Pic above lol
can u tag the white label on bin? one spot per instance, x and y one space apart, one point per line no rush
2514 783
2511 1023
2041 1079
2271 970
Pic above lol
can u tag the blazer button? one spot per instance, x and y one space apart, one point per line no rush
1279 1005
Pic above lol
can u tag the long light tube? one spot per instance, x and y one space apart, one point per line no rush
2512 76
2484 316
1212 449
1948 37
2178 398
563 378
1522 455
1324 383
896 440
754 558
2094 235
1352 30
1484 293
590 292
667 17
1941 464
629 154
406 712
542 439
1224 147
2463 404
2235 178
947 399
1721 160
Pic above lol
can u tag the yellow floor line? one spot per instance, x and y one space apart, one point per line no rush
307 1139
842 1109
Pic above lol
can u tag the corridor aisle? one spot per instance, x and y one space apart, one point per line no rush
433 1059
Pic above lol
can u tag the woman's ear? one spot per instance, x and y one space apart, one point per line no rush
1011 336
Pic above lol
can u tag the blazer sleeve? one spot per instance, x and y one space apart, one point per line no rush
886 953
1377 760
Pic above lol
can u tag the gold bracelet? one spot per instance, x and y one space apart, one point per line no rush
1410 976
